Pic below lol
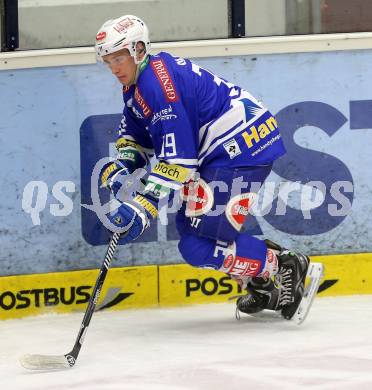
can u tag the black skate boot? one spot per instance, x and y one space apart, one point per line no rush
261 294
290 279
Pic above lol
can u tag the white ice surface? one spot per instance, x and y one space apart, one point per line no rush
198 347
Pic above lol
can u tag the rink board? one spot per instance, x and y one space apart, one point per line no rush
63 292
182 284
319 121
168 285
346 274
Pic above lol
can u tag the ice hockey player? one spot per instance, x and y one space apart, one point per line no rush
203 130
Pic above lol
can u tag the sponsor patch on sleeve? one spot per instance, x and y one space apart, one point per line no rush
165 80
142 103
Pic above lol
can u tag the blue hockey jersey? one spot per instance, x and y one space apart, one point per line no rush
188 116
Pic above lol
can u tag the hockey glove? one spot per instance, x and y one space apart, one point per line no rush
133 218
130 157
112 175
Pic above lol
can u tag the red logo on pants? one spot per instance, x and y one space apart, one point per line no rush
243 266
228 261
237 209
199 198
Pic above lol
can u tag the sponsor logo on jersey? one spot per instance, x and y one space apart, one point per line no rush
254 135
198 197
142 103
156 190
137 113
165 80
232 148
123 25
237 209
101 35
171 171
163 115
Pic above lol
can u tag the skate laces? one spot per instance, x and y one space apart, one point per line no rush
246 300
284 282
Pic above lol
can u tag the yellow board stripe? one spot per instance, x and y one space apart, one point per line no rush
164 285
64 292
351 273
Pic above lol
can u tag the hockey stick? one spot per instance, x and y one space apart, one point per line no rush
57 362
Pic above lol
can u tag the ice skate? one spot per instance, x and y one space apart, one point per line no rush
287 293
291 281
261 294
294 299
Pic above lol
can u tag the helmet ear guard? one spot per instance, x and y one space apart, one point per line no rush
122 33
134 52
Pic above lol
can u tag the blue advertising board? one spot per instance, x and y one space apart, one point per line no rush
317 198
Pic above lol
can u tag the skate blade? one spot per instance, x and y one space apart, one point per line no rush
315 273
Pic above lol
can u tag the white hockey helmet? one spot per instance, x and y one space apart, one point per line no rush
122 33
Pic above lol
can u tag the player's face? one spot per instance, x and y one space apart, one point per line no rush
122 66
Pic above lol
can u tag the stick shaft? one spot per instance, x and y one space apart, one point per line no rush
94 297
53 362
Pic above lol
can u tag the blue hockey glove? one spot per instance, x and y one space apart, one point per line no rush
130 157
133 218
113 175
